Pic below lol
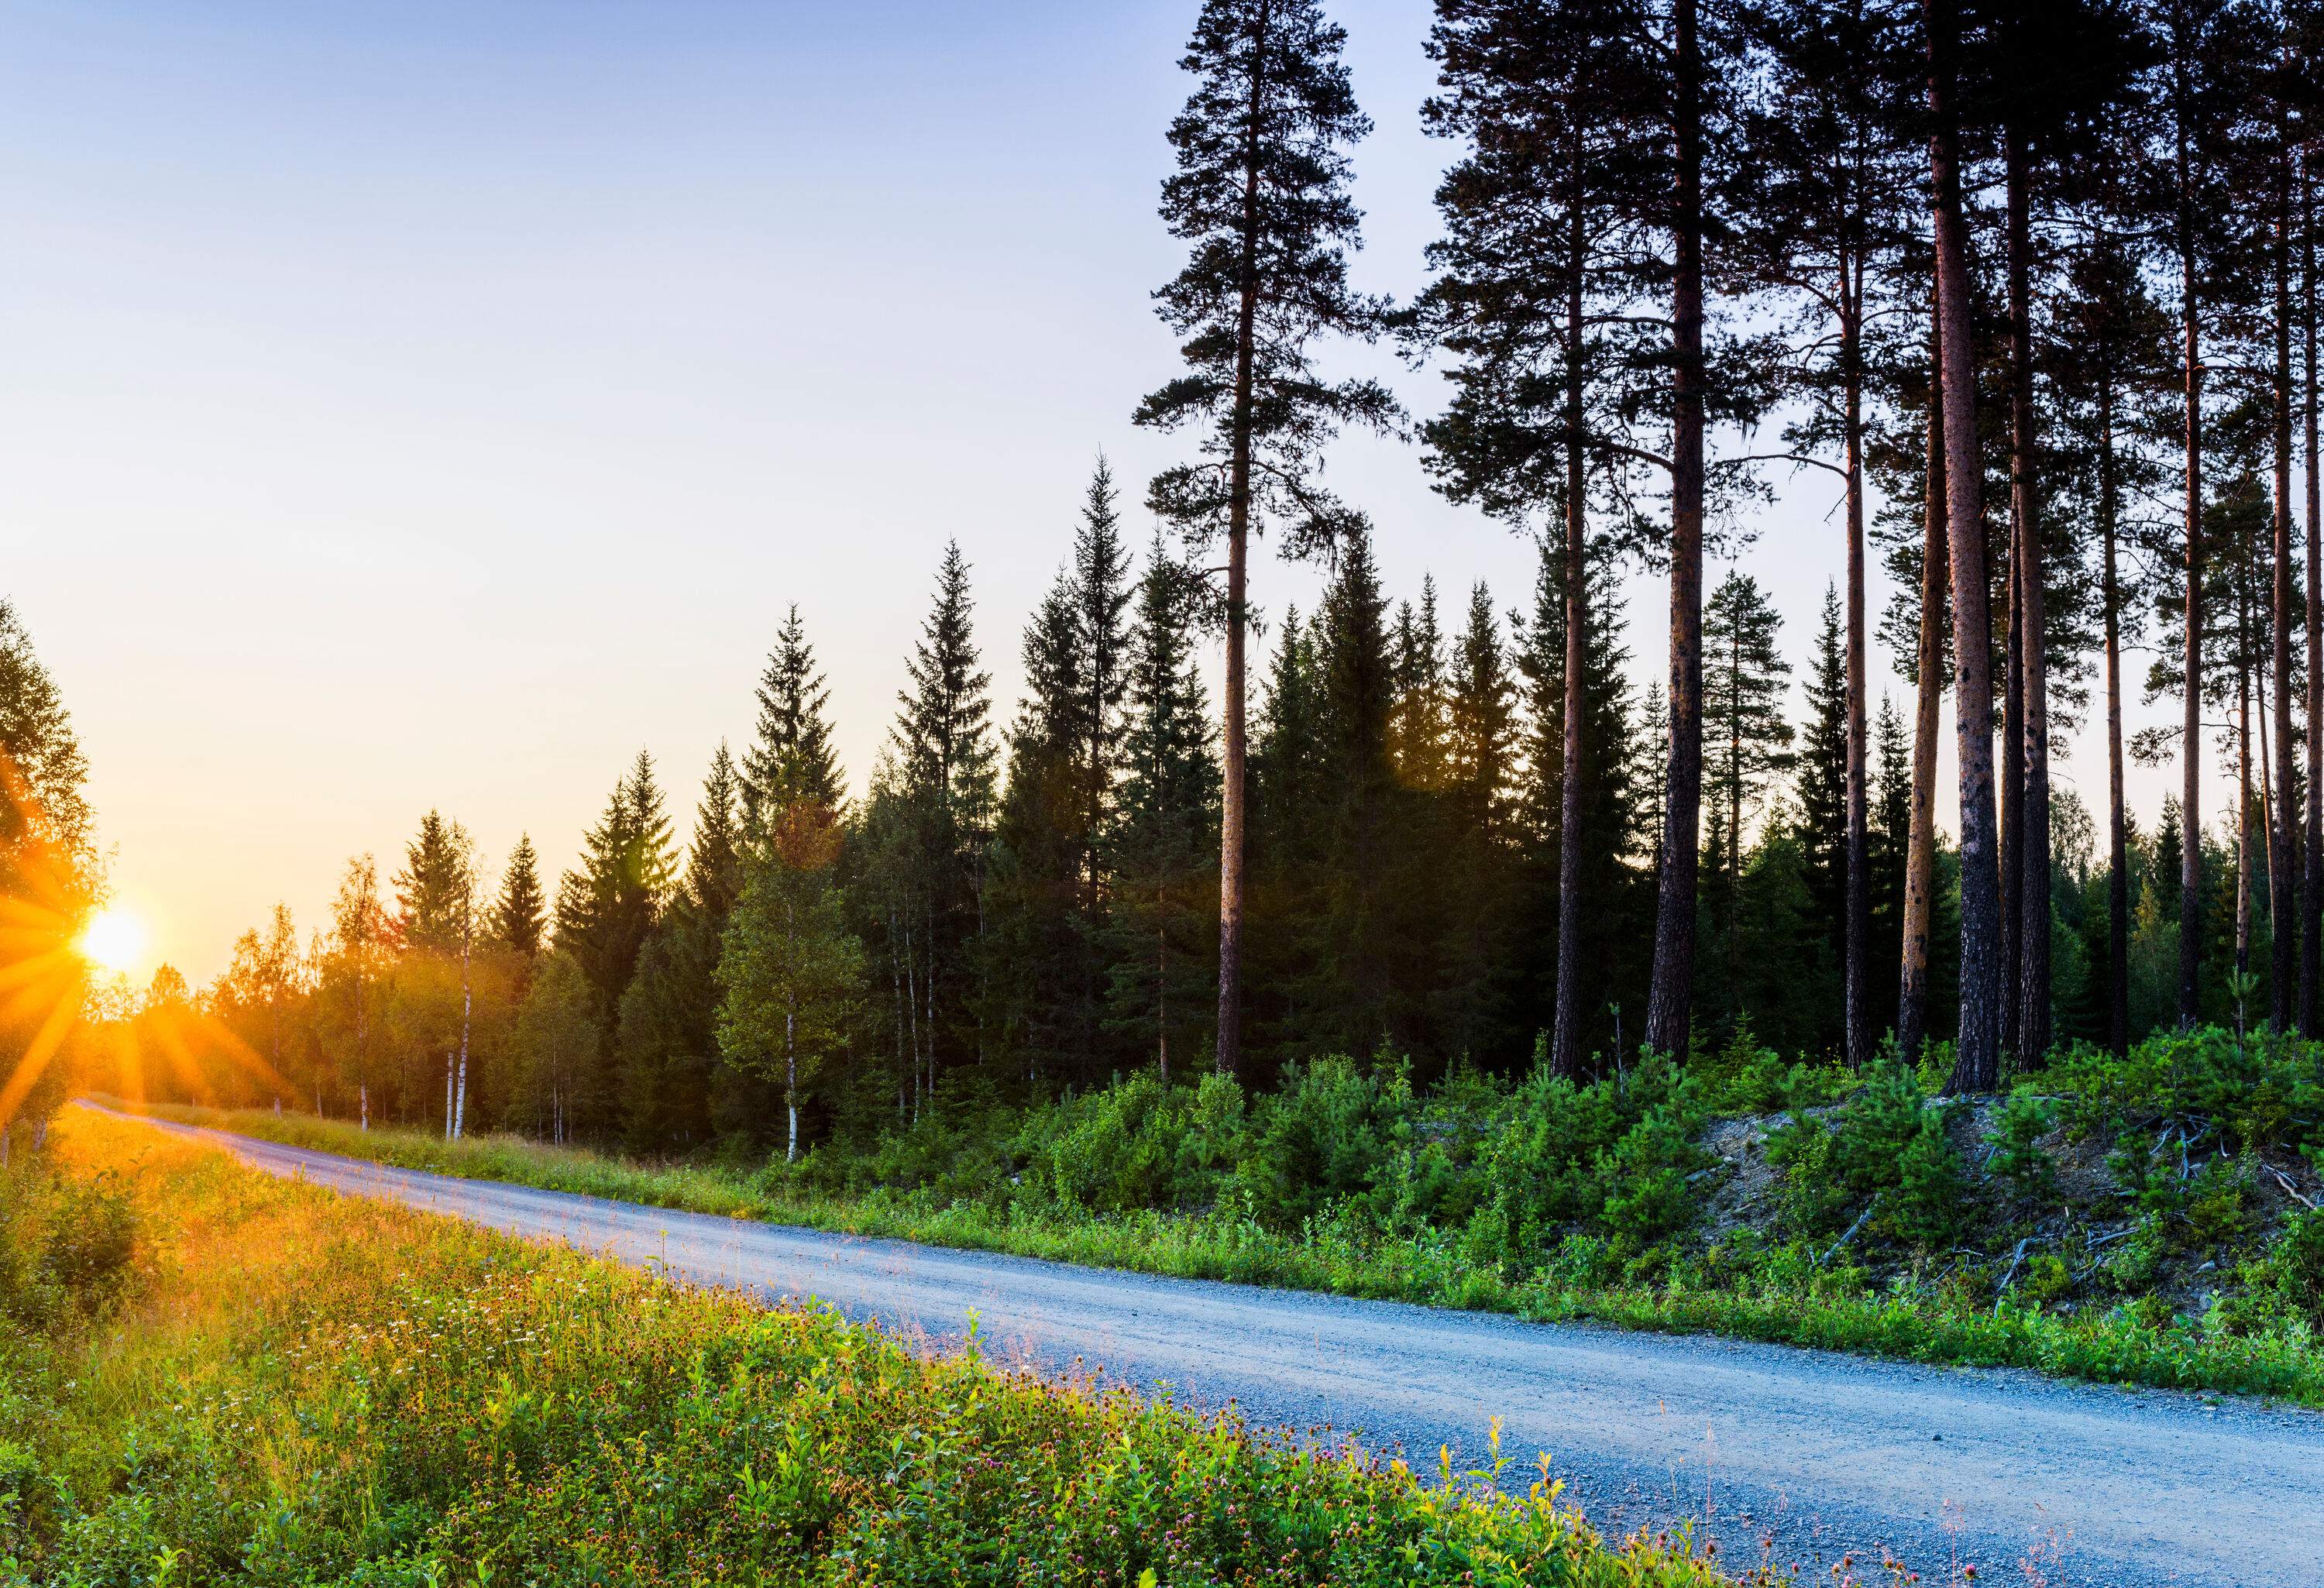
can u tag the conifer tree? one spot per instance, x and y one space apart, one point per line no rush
1164 826
1977 1063
664 1036
519 917
1035 949
607 909
1822 779
430 888
1480 758
1260 193
1745 677
1101 593
1621 770
1289 805
1824 219
1363 965
943 784
792 758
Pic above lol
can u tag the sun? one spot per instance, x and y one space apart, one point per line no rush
113 940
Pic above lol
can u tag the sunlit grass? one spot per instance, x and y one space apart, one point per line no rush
310 1388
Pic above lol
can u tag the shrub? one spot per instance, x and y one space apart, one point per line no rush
2017 1156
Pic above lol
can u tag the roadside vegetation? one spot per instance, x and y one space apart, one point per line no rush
209 1376
2149 1219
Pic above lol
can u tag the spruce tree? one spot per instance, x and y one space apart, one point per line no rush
606 910
1823 775
519 917
1102 595
1289 805
944 778
1164 828
1260 193
1745 677
663 1037
1364 992
792 758
431 889
1037 968
1481 768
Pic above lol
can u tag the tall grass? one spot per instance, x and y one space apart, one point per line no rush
1779 1299
304 1389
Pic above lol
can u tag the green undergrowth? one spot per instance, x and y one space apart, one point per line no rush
211 1376
2138 1220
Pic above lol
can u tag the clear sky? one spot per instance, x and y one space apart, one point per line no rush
431 404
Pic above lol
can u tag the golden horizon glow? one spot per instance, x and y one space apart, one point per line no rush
113 940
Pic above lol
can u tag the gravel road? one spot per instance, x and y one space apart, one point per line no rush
1803 1456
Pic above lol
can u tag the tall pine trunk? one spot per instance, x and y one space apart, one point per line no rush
2191 756
1565 1049
1670 1000
1928 674
1856 935
1234 741
2032 1022
1977 1061
2312 893
2117 827
2282 835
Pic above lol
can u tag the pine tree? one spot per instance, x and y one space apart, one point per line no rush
519 917
1537 300
1260 192
1619 771
1164 828
1829 212
792 758
1745 677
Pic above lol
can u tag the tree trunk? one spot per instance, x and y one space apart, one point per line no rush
1856 936
1234 739
468 1009
790 1081
1929 682
1976 1060
2243 806
1566 1047
2191 756
2117 832
2282 835
2027 568
2311 896
1670 1001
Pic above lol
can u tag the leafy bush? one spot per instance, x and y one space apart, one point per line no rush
68 1242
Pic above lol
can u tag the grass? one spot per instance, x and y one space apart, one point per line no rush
270 1384
1778 1299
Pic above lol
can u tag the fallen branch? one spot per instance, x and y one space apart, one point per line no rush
2292 1190
1850 1233
2015 1257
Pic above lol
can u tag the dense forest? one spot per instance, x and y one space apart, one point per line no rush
2031 287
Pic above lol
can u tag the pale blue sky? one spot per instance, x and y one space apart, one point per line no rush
431 404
